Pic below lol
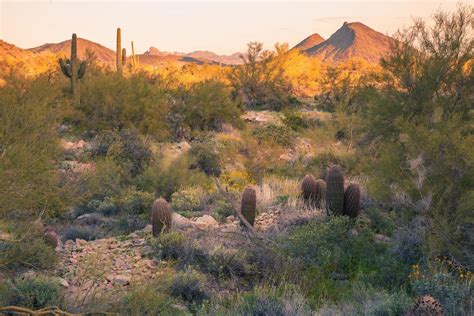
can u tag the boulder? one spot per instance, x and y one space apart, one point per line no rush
206 222
180 221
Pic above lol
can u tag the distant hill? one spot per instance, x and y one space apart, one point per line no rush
104 54
352 40
309 42
200 55
10 51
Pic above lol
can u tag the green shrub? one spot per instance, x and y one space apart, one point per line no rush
188 199
452 286
190 287
365 300
73 232
222 209
294 120
225 263
380 221
205 158
31 251
274 134
31 292
134 202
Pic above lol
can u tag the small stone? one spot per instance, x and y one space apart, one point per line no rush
382 238
121 280
63 282
146 251
80 242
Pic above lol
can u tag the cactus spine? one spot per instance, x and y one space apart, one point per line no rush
118 60
352 200
249 205
335 191
160 216
74 69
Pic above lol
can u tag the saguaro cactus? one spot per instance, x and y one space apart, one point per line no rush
160 216
75 69
124 56
134 58
249 205
335 191
352 200
118 60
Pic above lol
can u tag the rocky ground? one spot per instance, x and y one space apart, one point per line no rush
106 267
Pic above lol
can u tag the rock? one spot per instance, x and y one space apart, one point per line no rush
180 221
230 219
91 218
354 232
63 282
69 243
148 228
382 238
206 222
63 129
121 280
80 242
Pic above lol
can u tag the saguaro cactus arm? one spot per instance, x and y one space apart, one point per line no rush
65 67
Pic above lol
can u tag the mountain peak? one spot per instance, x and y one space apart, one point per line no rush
352 40
310 41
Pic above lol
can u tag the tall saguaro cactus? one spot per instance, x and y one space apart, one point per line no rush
75 69
118 60
134 58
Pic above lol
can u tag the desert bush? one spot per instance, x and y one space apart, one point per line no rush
224 263
114 103
29 115
331 246
189 285
207 105
134 202
127 224
102 143
165 177
188 199
268 301
261 82
131 152
380 221
366 300
28 250
237 180
205 158
294 120
408 241
33 292
274 134
222 209
451 285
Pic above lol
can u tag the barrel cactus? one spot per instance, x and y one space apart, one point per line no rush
249 205
74 69
427 306
320 196
308 188
352 200
160 216
335 190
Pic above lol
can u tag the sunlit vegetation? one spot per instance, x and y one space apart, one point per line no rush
198 135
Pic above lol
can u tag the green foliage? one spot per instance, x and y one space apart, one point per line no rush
34 292
260 82
332 247
28 250
419 125
28 119
294 120
207 105
380 221
166 177
188 199
115 103
205 158
452 286
274 134
189 286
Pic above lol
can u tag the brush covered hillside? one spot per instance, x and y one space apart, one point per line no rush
352 40
282 186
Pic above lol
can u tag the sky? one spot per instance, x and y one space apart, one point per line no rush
223 27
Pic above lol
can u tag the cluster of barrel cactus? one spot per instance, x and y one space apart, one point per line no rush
74 69
331 194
